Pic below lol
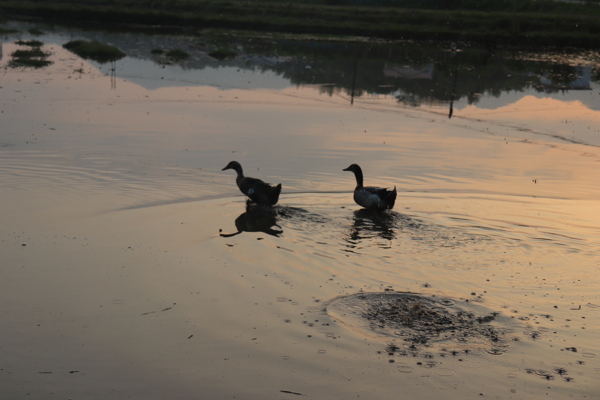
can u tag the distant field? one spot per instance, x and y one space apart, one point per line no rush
496 22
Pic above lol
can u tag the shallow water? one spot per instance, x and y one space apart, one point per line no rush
124 275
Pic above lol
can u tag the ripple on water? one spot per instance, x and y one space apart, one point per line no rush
365 233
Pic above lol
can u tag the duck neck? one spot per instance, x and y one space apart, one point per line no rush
359 177
240 171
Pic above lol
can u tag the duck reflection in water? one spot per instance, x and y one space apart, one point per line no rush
370 224
257 218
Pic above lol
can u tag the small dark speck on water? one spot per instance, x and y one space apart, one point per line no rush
23 244
290 392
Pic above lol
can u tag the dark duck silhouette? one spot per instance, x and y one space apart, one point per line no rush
257 218
371 198
257 191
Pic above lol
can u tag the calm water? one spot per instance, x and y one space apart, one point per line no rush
131 270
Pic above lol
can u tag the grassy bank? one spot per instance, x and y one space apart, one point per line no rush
560 25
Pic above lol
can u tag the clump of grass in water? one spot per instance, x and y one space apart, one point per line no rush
177 55
30 43
34 53
94 50
157 51
222 54
34 58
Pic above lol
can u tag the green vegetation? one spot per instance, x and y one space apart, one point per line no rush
517 22
94 50
35 53
177 55
222 54
35 58
169 57
30 43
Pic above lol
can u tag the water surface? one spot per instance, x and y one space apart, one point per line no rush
121 276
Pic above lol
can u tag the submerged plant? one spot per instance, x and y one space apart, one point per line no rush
94 50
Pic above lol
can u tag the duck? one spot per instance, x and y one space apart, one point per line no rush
370 197
257 191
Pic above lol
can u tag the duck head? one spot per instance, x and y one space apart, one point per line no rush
357 173
233 165
354 168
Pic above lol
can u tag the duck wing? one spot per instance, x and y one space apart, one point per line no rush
259 191
375 198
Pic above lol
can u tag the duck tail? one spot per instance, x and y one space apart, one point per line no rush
391 198
273 194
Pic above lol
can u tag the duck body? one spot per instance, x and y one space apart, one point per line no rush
256 190
371 197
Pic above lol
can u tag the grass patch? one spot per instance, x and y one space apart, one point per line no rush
521 22
35 32
177 54
34 53
34 58
30 43
29 62
94 50
222 54
157 52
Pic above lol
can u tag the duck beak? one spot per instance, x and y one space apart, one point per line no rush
346 169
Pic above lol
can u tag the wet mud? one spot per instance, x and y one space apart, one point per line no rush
419 323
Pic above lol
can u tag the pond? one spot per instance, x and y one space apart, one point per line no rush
132 269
